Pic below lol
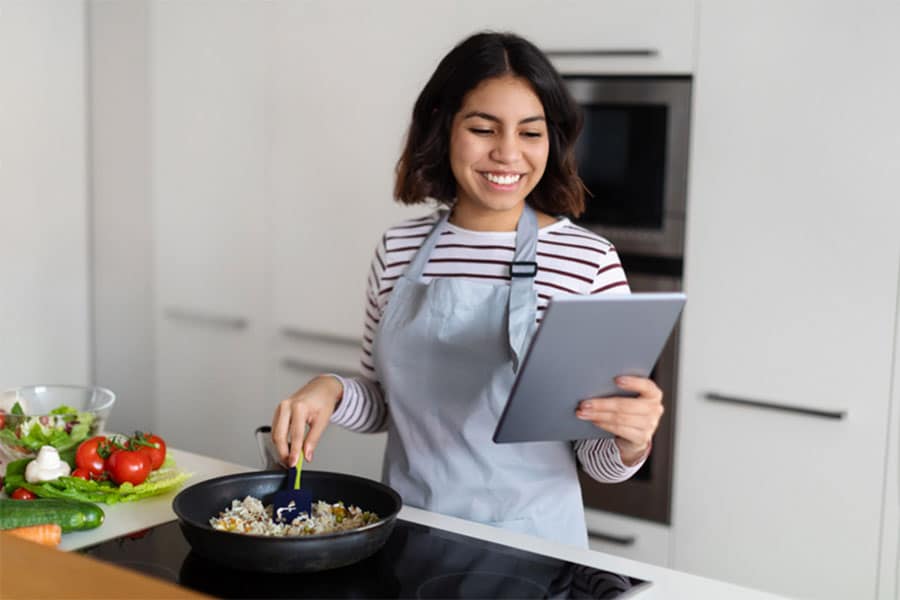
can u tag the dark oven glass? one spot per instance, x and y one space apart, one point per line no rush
621 157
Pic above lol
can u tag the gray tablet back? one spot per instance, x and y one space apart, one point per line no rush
581 345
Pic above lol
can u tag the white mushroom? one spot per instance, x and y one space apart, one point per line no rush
46 467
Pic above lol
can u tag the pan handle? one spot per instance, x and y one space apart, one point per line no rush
267 453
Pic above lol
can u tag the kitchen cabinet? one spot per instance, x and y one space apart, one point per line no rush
208 161
791 273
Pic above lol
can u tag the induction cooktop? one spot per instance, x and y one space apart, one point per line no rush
416 562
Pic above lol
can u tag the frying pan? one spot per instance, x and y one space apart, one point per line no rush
195 505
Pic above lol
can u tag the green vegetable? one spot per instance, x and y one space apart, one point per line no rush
165 479
71 515
30 433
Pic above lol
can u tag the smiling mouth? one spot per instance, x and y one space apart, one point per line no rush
505 179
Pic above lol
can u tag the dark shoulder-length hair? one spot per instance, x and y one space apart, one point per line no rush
423 170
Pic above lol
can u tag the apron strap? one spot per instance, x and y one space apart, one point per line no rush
522 299
417 266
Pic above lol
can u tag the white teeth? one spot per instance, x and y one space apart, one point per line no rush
502 179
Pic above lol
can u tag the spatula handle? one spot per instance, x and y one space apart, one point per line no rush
298 469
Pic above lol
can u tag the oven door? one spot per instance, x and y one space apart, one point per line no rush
632 156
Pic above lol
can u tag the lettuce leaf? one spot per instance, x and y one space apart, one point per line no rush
164 479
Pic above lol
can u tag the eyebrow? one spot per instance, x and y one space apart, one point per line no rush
489 117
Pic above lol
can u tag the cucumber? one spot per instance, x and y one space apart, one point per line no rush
71 515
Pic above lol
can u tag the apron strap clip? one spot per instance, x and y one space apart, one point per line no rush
524 268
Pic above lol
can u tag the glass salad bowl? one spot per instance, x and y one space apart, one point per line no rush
61 416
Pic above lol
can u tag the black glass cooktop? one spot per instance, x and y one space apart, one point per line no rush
416 562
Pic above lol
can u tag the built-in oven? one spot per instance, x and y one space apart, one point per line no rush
633 158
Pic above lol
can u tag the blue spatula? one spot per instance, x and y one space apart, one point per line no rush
291 501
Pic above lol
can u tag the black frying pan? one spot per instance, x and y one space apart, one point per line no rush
196 504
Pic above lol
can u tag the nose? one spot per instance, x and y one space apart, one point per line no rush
506 149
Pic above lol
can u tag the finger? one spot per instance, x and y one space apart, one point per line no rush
317 427
642 385
605 420
299 415
280 423
618 404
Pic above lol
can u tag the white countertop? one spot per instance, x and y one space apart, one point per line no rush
667 584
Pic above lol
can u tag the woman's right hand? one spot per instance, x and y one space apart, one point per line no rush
311 405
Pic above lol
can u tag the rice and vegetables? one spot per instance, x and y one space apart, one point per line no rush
252 517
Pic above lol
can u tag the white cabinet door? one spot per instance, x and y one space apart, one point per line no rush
346 76
45 322
209 151
791 275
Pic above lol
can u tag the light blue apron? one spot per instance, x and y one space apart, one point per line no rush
446 353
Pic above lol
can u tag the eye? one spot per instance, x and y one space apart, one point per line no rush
480 131
532 134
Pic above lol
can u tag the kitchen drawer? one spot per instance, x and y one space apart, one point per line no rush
627 537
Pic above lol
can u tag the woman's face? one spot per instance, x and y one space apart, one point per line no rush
498 147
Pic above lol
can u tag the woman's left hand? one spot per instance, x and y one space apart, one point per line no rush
632 420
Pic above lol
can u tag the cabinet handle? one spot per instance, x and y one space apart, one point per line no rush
827 414
313 336
604 53
621 540
301 365
200 318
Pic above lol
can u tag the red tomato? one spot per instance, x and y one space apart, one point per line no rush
2 418
23 494
156 451
90 455
81 474
128 465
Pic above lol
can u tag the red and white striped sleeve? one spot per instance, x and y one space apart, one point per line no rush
362 407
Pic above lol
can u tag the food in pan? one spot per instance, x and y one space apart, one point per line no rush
250 516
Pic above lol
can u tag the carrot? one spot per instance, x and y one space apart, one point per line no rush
48 534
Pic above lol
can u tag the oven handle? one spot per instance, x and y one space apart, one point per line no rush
621 540
815 412
604 53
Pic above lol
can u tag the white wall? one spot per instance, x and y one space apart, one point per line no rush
44 295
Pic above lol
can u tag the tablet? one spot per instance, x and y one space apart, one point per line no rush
581 345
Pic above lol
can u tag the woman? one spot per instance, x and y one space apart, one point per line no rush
454 298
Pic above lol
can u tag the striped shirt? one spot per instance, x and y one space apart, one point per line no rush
571 260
